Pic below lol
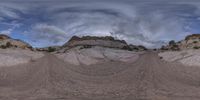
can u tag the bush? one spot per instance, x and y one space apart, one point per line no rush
127 48
172 42
164 48
142 47
175 47
196 47
3 47
50 49
195 42
87 46
8 44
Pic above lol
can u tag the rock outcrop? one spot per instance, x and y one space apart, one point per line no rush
49 49
96 55
107 41
89 50
185 51
95 41
190 42
8 42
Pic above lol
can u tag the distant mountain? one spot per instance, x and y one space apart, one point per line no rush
8 42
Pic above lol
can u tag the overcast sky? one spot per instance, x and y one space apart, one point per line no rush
52 22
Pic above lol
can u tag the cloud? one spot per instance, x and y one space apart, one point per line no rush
149 23
6 32
44 28
48 34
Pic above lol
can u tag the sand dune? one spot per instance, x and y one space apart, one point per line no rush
148 78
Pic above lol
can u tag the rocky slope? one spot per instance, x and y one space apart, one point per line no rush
96 41
8 42
107 41
186 51
190 42
94 55
89 50
14 52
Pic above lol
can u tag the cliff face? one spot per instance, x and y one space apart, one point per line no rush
95 41
8 42
107 41
190 42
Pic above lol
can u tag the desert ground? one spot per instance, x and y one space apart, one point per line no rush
146 78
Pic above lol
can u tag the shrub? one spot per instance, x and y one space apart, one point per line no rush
195 42
172 42
142 47
164 48
196 47
3 47
8 44
127 48
175 47
87 46
50 49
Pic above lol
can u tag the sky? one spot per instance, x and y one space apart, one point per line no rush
151 23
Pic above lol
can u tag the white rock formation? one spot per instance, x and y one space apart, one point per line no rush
10 57
186 57
88 56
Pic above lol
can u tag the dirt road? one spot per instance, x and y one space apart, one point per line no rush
149 78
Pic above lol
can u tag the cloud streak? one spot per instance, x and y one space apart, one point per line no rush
149 23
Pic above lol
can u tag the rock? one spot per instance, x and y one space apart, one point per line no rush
184 51
49 49
193 37
11 57
107 41
8 42
95 41
89 50
190 42
95 55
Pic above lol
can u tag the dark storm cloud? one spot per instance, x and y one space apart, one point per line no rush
144 22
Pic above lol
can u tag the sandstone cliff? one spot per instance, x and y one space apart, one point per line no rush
190 42
8 42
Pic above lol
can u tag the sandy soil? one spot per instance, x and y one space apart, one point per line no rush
149 78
